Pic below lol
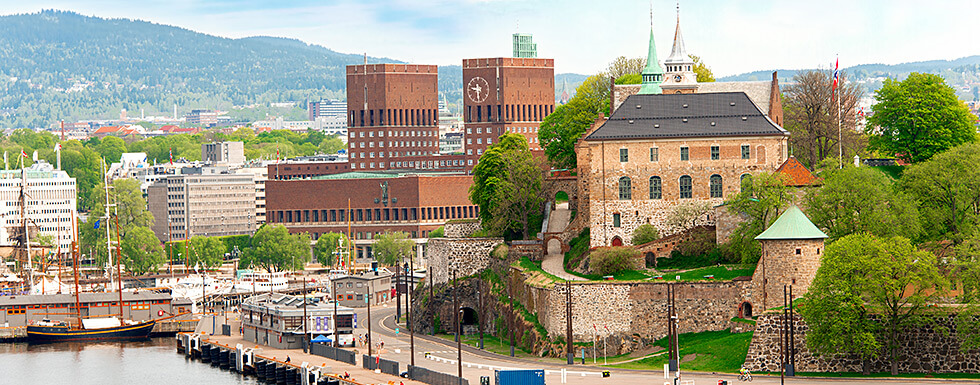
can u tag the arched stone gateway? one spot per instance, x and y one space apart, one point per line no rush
469 316
745 310
563 187
554 246
617 241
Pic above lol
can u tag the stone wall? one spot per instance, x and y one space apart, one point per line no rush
924 350
568 184
461 228
781 265
534 250
466 255
726 223
633 312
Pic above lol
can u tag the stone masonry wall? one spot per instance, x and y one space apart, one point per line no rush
780 265
634 312
461 228
467 255
924 350
726 223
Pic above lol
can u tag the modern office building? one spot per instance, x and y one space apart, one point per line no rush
202 117
206 201
524 46
223 153
51 203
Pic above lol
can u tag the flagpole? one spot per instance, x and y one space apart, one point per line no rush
840 141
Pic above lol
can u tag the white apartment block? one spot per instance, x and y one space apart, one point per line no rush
51 203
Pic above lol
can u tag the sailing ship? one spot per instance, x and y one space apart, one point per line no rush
91 328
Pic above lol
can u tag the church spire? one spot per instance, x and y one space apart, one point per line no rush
653 74
678 54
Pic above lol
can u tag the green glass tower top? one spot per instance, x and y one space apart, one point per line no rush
524 46
653 74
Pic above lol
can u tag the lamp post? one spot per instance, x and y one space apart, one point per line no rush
408 310
479 300
336 298
305 334
458 321
368 299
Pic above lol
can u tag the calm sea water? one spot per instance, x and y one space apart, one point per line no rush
153 361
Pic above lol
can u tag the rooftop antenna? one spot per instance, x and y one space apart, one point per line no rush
365 58
651 14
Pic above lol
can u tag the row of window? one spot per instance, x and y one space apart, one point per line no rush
520 113
685 187
685 153
381 133
398 144
425 164
381 154
378 214
393 117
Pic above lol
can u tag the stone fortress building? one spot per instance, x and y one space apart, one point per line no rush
671 142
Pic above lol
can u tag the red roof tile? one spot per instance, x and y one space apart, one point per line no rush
798 174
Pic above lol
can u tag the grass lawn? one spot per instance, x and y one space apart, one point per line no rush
720 273
893 171
624 275
720 351
494 345
886 374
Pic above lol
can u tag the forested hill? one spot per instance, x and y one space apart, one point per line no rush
61 65
962 74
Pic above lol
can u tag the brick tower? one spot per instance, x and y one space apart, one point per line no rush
393 116
502 95
791 251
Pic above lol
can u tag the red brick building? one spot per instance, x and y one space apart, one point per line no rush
393 112
415 203
505 95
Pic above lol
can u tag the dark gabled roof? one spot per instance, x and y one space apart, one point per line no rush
686 116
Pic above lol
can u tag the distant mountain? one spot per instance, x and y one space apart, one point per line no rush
962 74
61 65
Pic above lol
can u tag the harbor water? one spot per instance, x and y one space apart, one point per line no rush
153 361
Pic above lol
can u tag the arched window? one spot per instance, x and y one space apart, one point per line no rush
745 183
656 188
625 188
685 187
714 185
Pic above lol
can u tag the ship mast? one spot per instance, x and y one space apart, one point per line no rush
74 254
23 220
108 237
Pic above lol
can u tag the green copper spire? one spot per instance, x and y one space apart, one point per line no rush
653 74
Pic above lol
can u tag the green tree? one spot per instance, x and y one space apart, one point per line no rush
130 212
275 249
438 233
862 199
519 193
966 273
704 74
390 248
141 251
111 148
561 129
919 117
610 260
209 252
645 233
947 188
862 276
489 173
326 246
331 144
761 198
622 66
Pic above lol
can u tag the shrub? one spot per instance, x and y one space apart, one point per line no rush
645 233
700 242
501 251
610 260
438 233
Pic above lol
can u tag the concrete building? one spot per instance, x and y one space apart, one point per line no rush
260 174
505 95
204 201
223 153
355 290
276 320
370 204
206 118
51 203
327 108
392 115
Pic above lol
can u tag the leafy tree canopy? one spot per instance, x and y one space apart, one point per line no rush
208 252
141 251
390 248
919 117
561 129
645 233
326 247
947 189
862 199
862 275
275 249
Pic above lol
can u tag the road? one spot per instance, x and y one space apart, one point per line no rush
477 363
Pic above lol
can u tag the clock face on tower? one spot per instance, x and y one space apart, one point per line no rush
478 89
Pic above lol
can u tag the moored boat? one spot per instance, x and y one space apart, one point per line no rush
92 329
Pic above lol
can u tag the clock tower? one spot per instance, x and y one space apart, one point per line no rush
505 95
680 77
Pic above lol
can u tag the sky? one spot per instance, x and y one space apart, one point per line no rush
583 36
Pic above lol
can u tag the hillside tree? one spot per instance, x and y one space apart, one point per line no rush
141 251
918 118
275 249
811 115
326 247
390 248
947 189
862 200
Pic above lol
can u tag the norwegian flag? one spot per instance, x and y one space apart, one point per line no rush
171 156
57 147
836 74
23 153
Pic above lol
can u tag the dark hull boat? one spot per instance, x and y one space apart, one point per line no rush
61 333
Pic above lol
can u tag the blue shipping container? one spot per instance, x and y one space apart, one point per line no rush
519 377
